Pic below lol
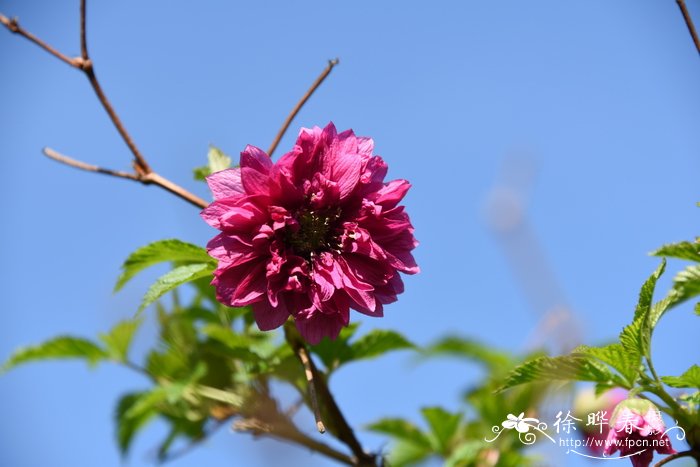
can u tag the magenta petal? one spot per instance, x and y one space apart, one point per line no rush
241 285
346 173
311 236
255 171
268 317
226 184
315 326
393 192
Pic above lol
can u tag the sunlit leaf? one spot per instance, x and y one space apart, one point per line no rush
64 347
443 426
158 252
118 339
562 368
689 379
681 250
401 429
174 278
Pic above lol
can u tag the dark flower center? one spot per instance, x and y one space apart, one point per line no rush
318 231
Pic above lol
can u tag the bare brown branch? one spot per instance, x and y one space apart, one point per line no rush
284 430
689 23
142 171
324 74
14 27
58 157
83 36
151 178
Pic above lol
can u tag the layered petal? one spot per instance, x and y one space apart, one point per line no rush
311 236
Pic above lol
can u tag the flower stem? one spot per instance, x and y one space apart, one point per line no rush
339 425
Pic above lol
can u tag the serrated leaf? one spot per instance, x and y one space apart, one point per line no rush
158 252
443 426
615 356
681 250
377 342
374 343
470 349
646 294
401 429
562 368
118 340
689 379
337 351
63 347
129 425
178 276
636 337
686 284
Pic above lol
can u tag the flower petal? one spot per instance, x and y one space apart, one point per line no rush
226 184
268 317
255 171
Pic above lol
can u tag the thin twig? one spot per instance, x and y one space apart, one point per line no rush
324 74
142 171
282 429
13 26
689 23
51 154
140 164
309 371
151 178
83 36
695 455
344 431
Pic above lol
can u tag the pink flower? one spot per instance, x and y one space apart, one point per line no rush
311 236
636 429
595 412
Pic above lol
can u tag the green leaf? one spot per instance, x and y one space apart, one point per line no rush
470 349
159 252
689 379
401 429
615 356
562 368
374 343
465 454
134 410
404 454
697 308
443 426
118 339
646 294
63 347
337 351
636 337
681 250
217 161
686 284
174 278
378 342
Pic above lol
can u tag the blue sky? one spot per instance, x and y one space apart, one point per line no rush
594 104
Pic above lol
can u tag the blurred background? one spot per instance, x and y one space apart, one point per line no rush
551 145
